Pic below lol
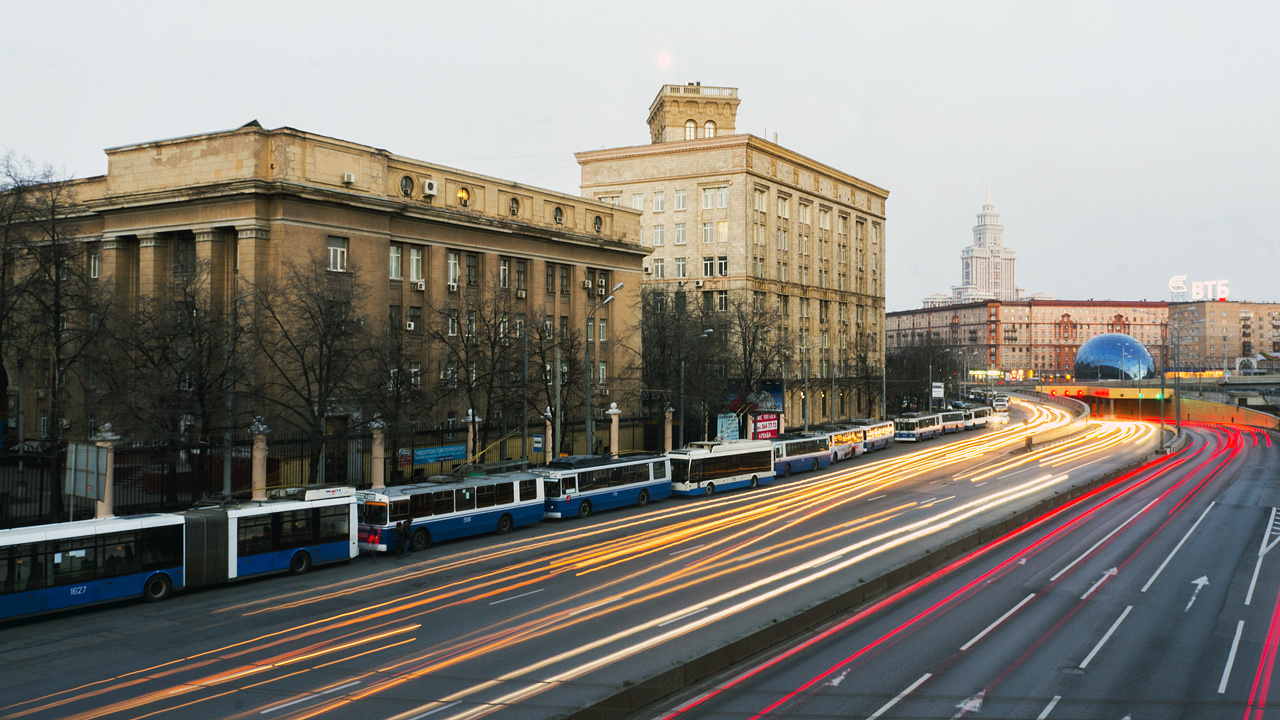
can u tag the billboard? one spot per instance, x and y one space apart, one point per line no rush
766 426
763 395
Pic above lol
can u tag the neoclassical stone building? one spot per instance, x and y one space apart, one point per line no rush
242 202
723 212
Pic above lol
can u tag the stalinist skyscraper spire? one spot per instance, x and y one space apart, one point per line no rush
986 266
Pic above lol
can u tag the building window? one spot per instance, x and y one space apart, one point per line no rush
784 208
680 200
708 198
708 230
558 214
659 269
473 269
95 261
513 207
415 317
604 326
762 200
659 201
184 256
722 197
551 278
659 235
520 274
337 254
415 375
564 279
504 273
708 267
393 318
604 371
722 265
681 268
680 236
397 263
782 239
637 201
455 269
806 213
722 231
464 197
451 323
709 129
690 130
415 264
598 224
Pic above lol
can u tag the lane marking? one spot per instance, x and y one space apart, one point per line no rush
1107 574
1262 551
313 696
1178 546
433 712
878 497
1103 540
984 482
1105 638
682 617
885 708
999 620
824 562
1231 658
681 552
1048 708
597 605
517 597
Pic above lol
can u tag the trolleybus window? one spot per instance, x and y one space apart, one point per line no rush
528 490
443 502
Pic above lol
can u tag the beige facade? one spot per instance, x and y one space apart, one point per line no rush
1223 335
245 201
1033 338
725 213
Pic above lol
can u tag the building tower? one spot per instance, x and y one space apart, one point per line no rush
692 112
987 266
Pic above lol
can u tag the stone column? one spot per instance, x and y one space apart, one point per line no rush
211 252
259 430
666 430
153 266
751 426
548 445
378 471
614 413
471 419
251 248
106 440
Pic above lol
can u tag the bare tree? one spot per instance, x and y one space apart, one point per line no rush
312 347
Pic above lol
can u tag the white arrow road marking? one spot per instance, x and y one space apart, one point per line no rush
1199 582
1106 574
973 704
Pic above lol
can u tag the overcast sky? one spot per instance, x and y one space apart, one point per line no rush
1123 142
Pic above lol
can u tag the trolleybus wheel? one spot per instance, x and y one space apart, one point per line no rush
421 540
300 562
505 523
786 470
710 489
584 510
643 499
755 481
157 588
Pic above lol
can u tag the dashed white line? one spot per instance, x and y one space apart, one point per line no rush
1177 547
878 497
1231 659
681 552
886 707
517 597
1103 540
589 608
433 712
1049 708
682 617
824 562
309 697
1262 551
999 620
1085 663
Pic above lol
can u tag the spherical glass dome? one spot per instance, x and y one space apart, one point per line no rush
1114 356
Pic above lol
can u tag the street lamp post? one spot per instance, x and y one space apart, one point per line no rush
588 426
805 350
705 333
227 385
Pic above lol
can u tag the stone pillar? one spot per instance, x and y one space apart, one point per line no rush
751 426
548 444
614 413
666 430
259 431
470 420
211 252
153 265
106 440
378 471
251 251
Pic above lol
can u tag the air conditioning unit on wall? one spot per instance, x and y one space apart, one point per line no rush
428 188
409 326
421 285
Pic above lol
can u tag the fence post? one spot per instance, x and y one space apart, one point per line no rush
259 431
377 474
106 440
614 413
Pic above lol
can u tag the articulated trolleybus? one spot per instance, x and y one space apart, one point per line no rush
914 427
702 468
794 452
846 442
52 567
443 511
581 484
952 421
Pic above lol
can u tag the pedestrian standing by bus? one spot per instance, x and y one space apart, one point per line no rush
404 537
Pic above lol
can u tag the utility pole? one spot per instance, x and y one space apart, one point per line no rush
554 451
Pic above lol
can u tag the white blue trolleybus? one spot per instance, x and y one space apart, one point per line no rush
579 485
703 468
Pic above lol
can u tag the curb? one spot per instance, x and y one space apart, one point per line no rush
639 695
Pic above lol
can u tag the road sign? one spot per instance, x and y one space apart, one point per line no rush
537 443
937 390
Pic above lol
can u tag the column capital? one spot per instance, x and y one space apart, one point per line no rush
253 232
148 240
209 235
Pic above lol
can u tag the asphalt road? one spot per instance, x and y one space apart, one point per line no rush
544 620
1158 598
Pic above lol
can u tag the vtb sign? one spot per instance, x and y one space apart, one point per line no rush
1207 290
